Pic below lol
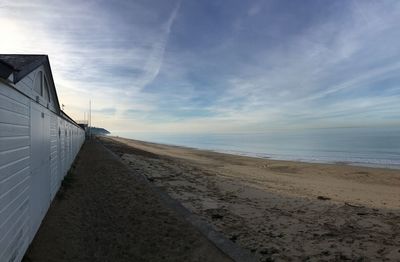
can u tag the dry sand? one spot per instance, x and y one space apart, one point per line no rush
279 210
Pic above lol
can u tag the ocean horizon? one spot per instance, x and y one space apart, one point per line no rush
360 146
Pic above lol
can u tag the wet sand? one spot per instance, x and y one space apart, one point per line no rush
279 210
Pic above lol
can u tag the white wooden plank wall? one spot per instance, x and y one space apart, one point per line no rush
18 200
55 178
14 174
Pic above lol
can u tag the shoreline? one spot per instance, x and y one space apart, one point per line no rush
278 210
307 178
274 156
319 161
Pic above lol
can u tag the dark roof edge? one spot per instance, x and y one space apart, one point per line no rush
68 118
51 79
18 75
5 69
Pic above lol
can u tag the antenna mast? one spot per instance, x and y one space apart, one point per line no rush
90 119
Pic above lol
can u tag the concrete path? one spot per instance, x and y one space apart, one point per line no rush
105 212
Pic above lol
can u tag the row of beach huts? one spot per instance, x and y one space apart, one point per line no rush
38 143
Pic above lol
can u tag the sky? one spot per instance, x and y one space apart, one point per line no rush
216 65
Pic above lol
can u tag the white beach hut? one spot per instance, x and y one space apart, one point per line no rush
38 143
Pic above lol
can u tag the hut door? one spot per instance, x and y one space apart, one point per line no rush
40 164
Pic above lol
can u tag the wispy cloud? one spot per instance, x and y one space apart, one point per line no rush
321 67
95 54
209 66
155 59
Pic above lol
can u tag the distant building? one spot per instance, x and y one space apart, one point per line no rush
84 125
38 143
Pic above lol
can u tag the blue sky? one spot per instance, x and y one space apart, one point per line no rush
216 66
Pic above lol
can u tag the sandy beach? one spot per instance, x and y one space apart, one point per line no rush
279 210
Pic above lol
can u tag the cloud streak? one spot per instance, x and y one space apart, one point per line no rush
207 66
155 60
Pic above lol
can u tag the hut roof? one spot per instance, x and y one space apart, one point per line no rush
20 65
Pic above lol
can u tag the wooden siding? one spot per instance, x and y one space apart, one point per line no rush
55 178
14 173
29 180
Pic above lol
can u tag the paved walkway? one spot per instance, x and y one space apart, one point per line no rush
105 213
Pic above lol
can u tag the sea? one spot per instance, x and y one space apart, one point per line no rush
361 146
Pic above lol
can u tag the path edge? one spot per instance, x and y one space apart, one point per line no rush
225 245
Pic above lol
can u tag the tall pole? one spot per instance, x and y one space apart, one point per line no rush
90 119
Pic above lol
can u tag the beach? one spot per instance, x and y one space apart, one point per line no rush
106 212
278 210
